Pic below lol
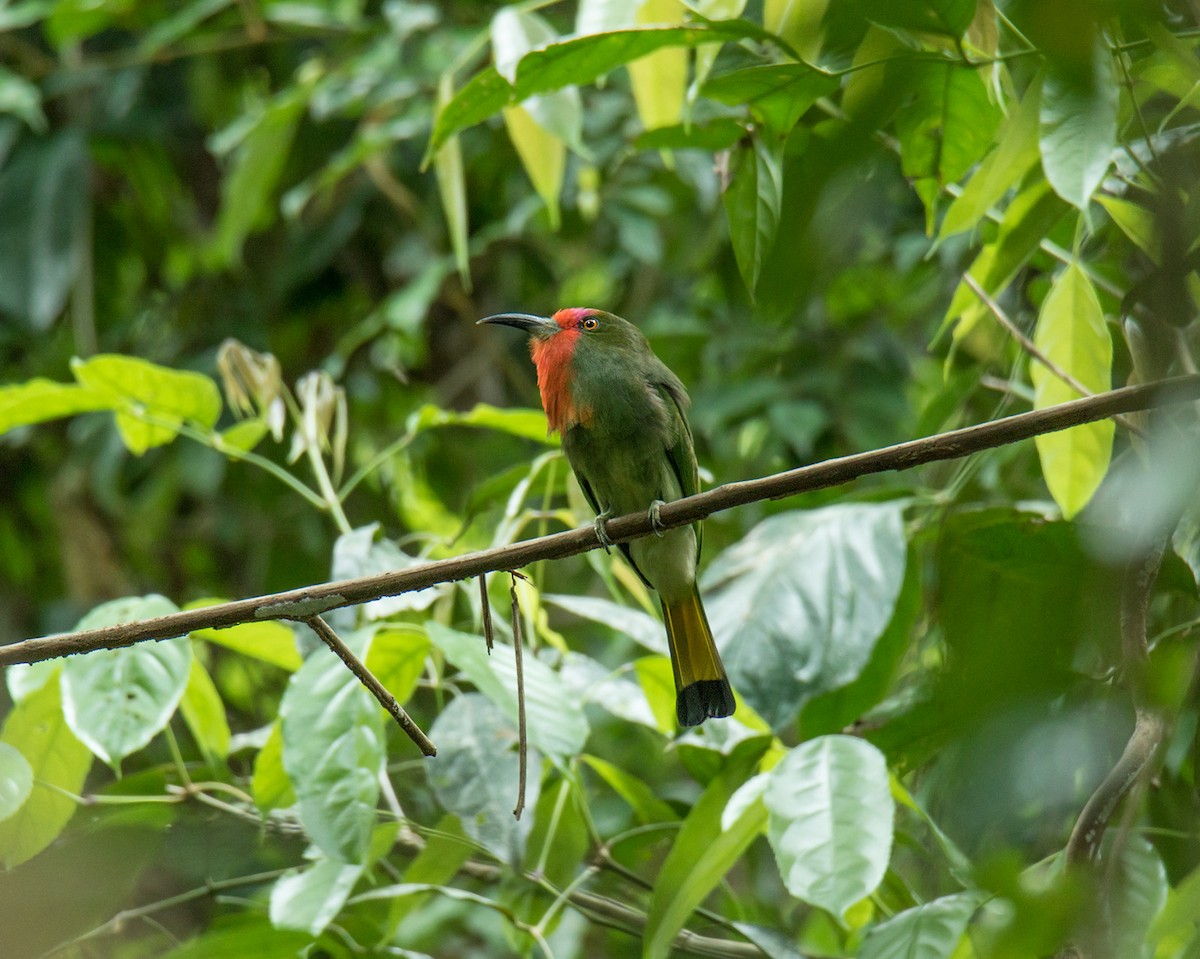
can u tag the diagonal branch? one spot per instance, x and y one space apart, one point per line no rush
310 601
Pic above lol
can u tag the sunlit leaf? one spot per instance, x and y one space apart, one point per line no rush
116 700
204 713
39 400
1136 222
397 658
59 763
659 79
1071 332
543 155
270 640
270 784
311 897
830 821
798 22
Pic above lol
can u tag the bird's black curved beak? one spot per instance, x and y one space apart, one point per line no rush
539 326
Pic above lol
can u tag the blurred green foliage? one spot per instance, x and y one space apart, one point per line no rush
242 250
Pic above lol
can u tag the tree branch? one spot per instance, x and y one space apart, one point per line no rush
311 601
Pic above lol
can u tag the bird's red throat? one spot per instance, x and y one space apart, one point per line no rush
552 356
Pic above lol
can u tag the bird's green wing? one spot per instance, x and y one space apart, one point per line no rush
682 453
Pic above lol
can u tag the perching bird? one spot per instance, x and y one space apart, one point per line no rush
621 415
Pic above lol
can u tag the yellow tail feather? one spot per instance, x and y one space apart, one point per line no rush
702 691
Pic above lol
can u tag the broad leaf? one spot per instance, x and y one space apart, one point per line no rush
554 719
359 553
799 603
59 763
151 401
16 780
333 753
929 931
778 94
452 184
270 784
752 204
204 712
659 79
641 627
397 657
475 774
310 898
1079 124
949 17
39 400
270 641
1071 333
117 700
829 821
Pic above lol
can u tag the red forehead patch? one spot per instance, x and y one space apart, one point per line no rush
572 316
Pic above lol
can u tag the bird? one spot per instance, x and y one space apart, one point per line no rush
621 414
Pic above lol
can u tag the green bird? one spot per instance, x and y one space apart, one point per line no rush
620 412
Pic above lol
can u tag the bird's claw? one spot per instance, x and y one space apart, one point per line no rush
601 532
655 520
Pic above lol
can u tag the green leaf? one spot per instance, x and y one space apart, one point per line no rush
333 753
22 679
1029 217
752 204
262 142
242 934
554 717
1071 332
151 401
39 400
949 17
117 700
1141 893
718 134
543 155
45 199
270 784
525 423
475 775
397 658
805 628
1013 157
1180 911
359 553
204 713
638 795
929 931
177 24
308 899
22 99
641 627
452 184
798 22
944 128
16 780
830 821
658 683
777 95
575 61
59 764
704 850
270 641
1079 124
1137 223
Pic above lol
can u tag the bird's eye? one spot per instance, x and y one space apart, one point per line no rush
590 323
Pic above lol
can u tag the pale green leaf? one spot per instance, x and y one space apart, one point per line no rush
798 22
310 898
928 931
1079 124
543 155
270 784
641 627
204 713
16 780
59 763
752 204
397 658
830 817
1071 332
659 79
333 753
452 186
22 99
1137 223
39 400
117 700
270 641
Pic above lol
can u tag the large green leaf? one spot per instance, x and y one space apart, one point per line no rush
641 627
475 774
1141 894
704 850
361 553
270 641
659 79
950 17
799 603
204 712
554 717
45 198
752 203
59 764
39 400
242 934
117 700
151 401
830 814
311 897
333 753
1071 332
928 931
1079 124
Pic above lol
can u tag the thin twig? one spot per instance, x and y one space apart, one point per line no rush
489 635
1034 351
368 679
310 601
522 742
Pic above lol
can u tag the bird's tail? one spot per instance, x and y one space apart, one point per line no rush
701 689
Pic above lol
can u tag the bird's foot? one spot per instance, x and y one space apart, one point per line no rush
655 521
601 532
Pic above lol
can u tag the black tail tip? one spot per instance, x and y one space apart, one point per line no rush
704 699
